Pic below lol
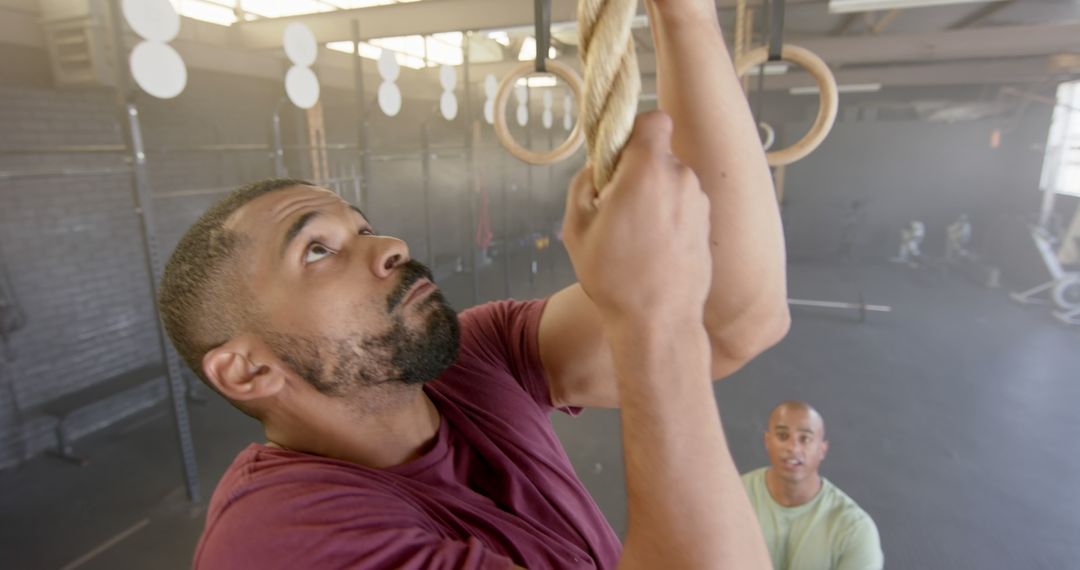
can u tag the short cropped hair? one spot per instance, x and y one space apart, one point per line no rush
202 298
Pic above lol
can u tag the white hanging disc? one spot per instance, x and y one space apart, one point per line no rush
448 77
448 105
522 115
548 99
489 111
158 69
567 122
388 65
302 86
389 98
491 86
521 93
152 19
300 44
548 118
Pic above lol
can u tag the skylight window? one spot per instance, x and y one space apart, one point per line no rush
415 52
222 12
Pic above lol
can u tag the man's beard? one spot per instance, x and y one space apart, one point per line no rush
399 356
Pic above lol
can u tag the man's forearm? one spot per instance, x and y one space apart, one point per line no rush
716 136
687 507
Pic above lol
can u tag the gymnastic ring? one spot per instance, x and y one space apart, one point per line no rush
826 111
561 152
770 135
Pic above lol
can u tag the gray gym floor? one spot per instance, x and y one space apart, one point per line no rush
952 421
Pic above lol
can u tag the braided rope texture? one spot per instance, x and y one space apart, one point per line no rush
612 81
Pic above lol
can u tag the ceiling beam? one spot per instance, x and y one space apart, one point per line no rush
884 22
845 24
987 43
992 53
1021 70
427 17
980 14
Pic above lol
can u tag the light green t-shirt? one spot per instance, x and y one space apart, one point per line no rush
829 532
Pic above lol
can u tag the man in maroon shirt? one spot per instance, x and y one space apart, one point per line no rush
401 435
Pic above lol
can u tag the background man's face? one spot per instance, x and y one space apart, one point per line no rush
796 443
343 307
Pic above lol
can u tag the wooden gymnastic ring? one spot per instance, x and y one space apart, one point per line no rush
502 131
826 111
770 135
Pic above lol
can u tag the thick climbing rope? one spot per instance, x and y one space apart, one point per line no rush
612 81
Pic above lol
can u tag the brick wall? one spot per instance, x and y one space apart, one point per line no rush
74 256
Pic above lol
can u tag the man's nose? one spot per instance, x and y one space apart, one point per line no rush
389 254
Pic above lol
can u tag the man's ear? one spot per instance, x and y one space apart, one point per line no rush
240 371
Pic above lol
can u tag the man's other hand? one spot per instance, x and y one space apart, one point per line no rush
640 245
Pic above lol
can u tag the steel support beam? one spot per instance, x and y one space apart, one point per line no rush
988 43
980 14
1023 70
428 17
431 16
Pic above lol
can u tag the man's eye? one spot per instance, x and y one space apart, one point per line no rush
367 232
316 252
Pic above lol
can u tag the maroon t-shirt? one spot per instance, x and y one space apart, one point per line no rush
495 488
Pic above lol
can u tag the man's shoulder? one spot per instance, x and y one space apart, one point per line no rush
753 476
499 310
845 510
269 479
499 336
281 509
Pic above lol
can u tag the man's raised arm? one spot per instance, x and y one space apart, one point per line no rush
715 135
640 248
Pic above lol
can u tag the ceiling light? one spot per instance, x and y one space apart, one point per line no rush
369 51
851 88
774 68
211 12
528 50
539 81
846 6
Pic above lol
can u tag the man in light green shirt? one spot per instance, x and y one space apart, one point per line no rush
808 523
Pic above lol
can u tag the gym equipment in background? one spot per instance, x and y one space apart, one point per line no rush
911 239
1063 288
862 306
1060 177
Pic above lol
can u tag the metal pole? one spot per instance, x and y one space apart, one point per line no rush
542 17
279 149
362 120
549 219
507 239
426 165
839 305
531 226
758 107
470 160
143 199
